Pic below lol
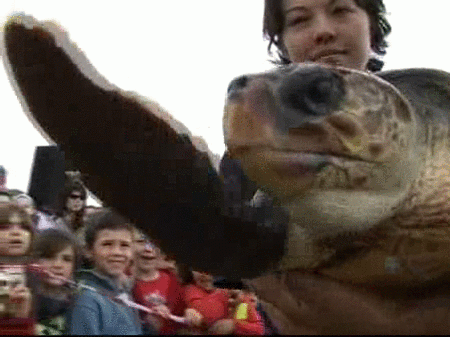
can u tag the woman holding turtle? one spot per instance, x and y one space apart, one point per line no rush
347 33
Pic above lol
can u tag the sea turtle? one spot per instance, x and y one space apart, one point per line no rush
358 159
354 157
361 162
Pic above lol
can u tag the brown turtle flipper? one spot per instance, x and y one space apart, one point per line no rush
136 160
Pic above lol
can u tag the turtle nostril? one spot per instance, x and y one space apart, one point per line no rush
236 84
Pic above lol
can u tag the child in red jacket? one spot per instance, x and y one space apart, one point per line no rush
218 308
242 308
209 302
157 286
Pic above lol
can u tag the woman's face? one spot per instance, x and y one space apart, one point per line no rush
61 266
75 201
334 32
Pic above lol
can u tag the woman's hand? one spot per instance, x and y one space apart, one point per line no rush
21 297
222 327
193 317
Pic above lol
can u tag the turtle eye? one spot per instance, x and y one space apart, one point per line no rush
320 91
314 91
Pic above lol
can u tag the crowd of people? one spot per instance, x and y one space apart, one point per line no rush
85 270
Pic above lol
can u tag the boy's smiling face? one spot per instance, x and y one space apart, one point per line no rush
15 236
112 251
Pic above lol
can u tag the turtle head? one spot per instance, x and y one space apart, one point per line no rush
331 134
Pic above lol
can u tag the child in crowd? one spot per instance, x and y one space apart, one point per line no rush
219 311
15 245
157 286
209 302
26 202
243 309
56 253
41 219
96 311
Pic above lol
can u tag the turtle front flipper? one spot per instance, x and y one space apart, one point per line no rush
138 158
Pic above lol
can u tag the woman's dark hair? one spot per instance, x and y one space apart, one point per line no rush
69 187
106 219
273 25
61 202
51 241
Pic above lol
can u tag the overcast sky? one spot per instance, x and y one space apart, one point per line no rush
183 54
